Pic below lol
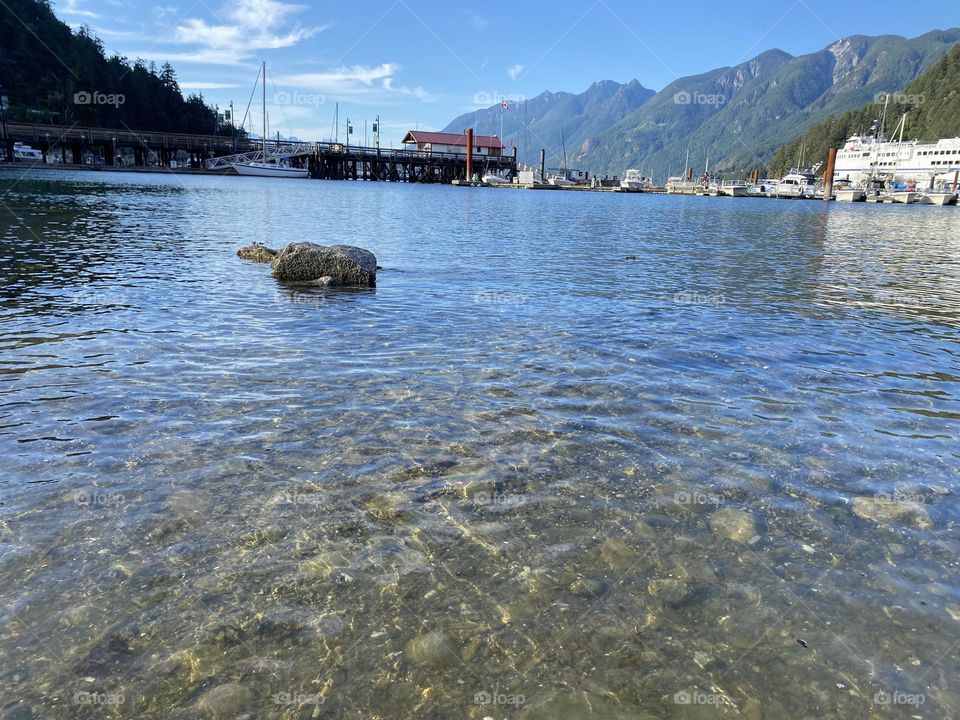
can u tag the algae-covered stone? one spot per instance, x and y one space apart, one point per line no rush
434 649
308 262
733 524
258 252
885 511
225 702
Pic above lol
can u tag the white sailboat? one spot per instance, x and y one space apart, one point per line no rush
280 166
681 184
560 179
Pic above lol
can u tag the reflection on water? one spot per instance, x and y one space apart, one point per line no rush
524 477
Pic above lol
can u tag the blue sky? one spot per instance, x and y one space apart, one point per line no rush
422 63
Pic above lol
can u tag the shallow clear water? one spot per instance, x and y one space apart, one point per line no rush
523 477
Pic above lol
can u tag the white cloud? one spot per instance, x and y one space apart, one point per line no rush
72 7
247 26
357 82
514 71
478 22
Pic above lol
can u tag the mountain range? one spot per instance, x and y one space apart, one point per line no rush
737 117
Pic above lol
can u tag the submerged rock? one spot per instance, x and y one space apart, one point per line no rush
225 701
885 510
435 649
258 252
341 264
733 524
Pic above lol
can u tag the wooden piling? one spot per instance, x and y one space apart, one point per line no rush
828 175
469 155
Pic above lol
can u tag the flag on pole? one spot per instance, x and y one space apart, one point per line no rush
505 105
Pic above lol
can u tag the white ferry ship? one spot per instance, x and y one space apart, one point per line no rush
921 164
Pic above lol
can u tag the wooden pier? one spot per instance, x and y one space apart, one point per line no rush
326 161
332 161
105 143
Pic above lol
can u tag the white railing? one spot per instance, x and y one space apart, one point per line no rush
285 150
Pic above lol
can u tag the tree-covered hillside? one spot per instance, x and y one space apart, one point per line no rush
52 74
931 102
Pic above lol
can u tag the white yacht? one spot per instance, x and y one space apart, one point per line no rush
634 181
560 180
735 189
798 183
25 153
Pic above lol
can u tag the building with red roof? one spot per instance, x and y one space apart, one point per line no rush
441 142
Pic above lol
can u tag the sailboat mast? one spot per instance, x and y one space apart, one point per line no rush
263 69
563 140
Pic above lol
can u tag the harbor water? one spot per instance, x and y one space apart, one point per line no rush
576 455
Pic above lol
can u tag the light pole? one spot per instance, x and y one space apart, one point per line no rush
349 132
3 121
376 131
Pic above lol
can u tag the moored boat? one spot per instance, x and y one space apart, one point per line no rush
635 181
267 169
851 194
798 183
25 153
938 197
276 167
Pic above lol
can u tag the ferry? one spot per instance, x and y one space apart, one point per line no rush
912 162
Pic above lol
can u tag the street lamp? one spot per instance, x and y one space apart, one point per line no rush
376 131
349 132
3 122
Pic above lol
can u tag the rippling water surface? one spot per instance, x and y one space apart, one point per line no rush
524 477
